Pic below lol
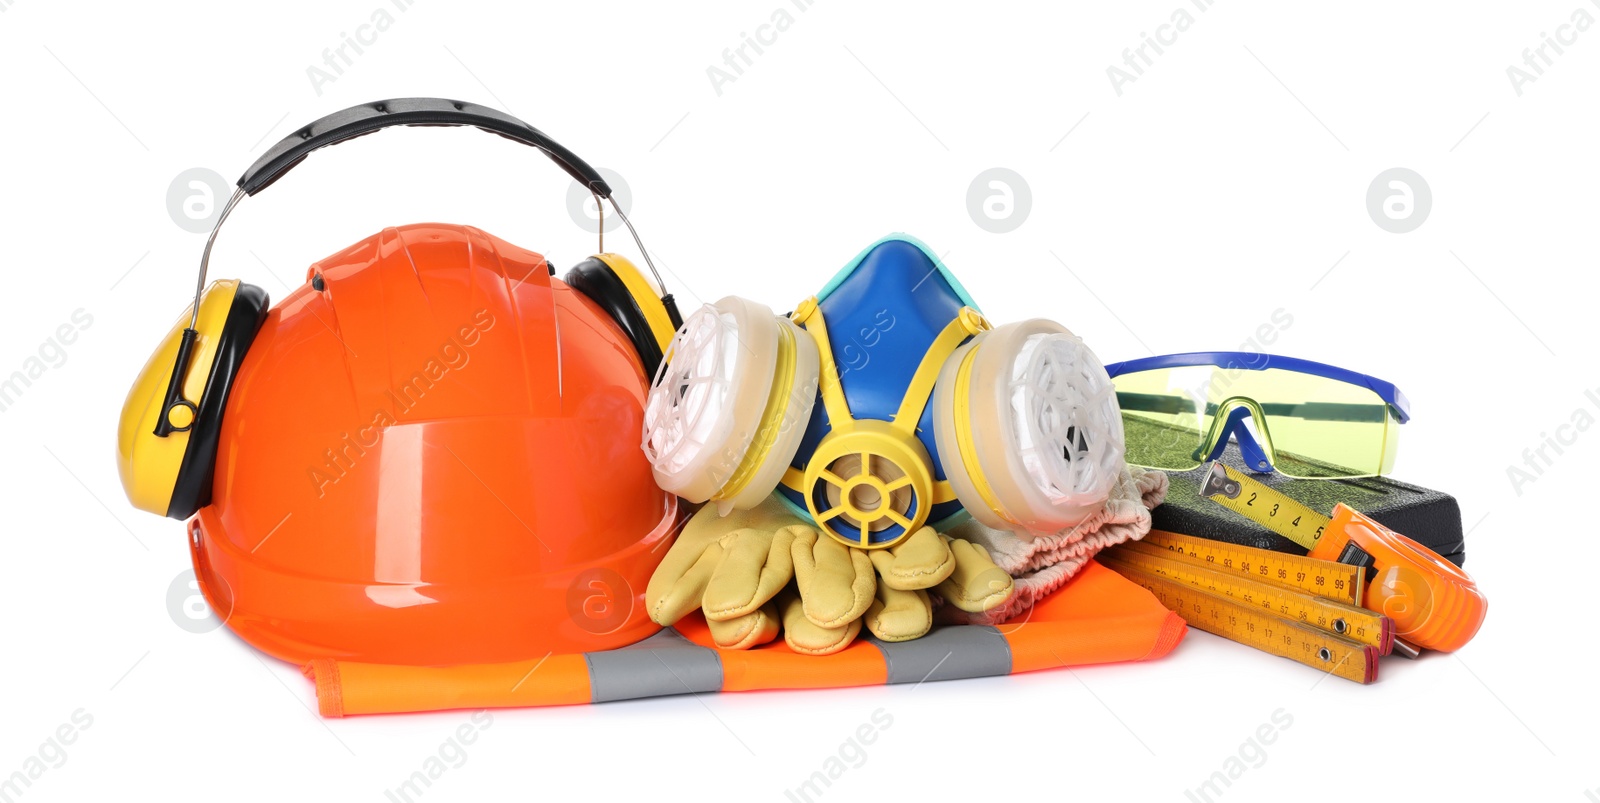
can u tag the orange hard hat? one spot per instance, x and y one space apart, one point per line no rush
430 455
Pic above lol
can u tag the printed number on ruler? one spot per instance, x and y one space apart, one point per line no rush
1336 581
1263 505
1231 620
1336 618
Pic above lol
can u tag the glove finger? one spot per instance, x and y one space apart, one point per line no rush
755 566
977 584
921 561
807 637
900 615
744 632
835 581
673 592
678 581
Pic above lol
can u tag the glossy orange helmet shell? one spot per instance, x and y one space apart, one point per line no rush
430 456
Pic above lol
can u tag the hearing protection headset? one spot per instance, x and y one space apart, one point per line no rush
1025 423
168 434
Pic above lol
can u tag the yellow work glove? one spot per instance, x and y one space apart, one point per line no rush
732 567
960 572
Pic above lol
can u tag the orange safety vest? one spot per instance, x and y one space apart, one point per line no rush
1099 617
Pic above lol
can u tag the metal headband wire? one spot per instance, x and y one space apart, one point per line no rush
645 252
205 257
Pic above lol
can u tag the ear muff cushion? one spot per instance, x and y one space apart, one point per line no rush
601 284
660 311
192 489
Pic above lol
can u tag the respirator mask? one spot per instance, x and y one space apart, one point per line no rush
884 403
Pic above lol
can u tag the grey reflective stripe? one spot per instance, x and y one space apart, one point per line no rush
664 664
947 653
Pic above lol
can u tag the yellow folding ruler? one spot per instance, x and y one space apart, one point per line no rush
1340 582
1281 600
1249 625
1297 607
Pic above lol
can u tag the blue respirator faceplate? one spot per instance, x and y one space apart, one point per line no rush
884 310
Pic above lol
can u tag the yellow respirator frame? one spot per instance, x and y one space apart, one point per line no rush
891 456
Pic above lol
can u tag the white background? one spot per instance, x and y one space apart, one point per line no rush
1224 183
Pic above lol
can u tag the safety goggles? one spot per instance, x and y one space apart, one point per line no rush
1300 418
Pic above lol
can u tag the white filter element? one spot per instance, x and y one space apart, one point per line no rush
1066 427
690 391
1044 442
708 396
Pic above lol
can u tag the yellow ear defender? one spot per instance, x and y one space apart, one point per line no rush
172 418
646 316
166 444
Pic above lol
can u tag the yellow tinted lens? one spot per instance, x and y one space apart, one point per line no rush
1319 427
1316 427
1165 415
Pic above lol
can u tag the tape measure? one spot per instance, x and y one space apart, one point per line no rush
1339 582
1320 613
1263 505
1311 609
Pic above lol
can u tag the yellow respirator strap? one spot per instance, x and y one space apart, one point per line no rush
771 417
966 324
809 315
964 442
